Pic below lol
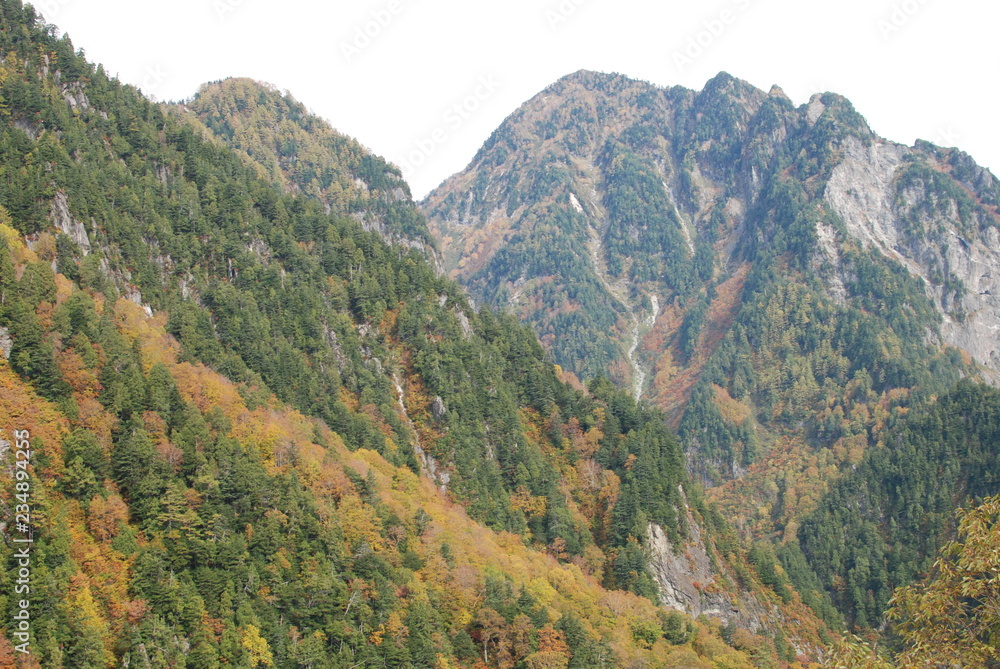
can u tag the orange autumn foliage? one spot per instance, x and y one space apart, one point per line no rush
22 409
105 516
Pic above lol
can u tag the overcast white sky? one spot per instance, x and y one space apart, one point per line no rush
914 68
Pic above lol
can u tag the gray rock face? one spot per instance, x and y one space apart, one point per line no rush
860 190
958 260
438 408
689 582
677 574
75 97
29 129
977 265
463 321
66 224
6 343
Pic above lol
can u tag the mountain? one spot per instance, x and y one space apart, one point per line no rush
793 290
278 136
604 197
265 431
678 582
777 279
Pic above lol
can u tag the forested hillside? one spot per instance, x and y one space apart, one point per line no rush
707 246
704 250
300 151
264 436
267 431
799 295
881 526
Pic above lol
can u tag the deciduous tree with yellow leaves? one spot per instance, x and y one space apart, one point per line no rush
952 620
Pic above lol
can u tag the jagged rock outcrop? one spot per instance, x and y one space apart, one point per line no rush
937 226
690 580
68 225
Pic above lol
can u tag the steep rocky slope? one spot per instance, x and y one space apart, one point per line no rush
660 235
783 282
934 211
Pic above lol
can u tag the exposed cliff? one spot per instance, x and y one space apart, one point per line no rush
935 212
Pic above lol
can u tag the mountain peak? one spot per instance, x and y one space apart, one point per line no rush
278 136
588 82
840 114
625 221
723 80
778 92
236 81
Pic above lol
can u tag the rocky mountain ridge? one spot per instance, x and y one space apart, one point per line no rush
707 172
952 245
